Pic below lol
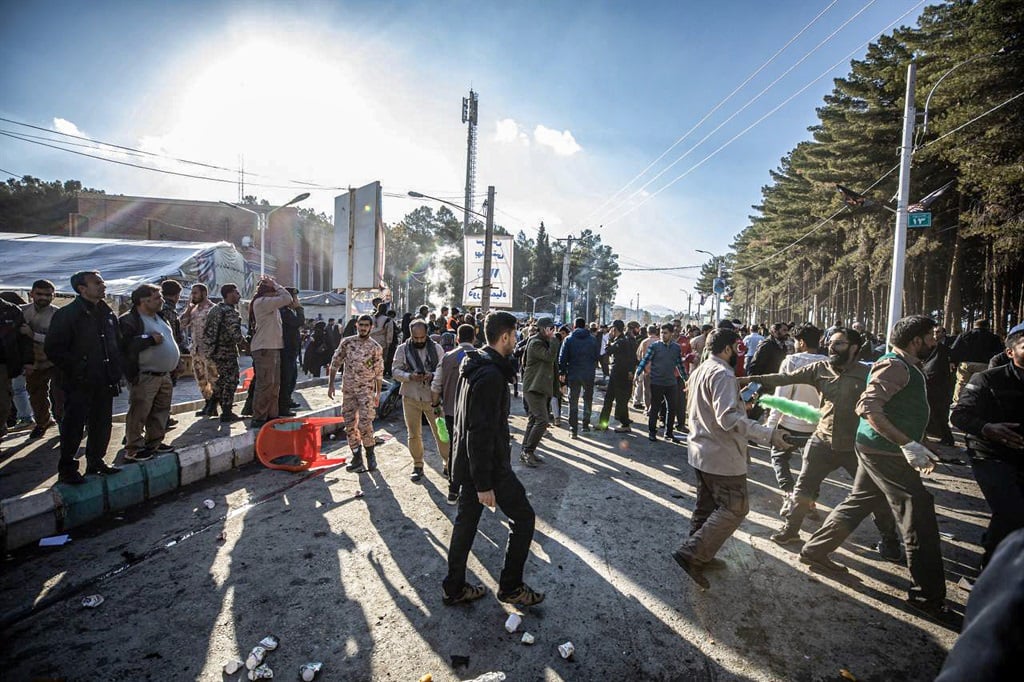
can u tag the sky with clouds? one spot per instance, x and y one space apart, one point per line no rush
654 123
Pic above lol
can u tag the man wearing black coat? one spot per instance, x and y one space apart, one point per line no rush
15 356
482 468
991 414
937 376
292 320
971 352
769 355
84 344
622 351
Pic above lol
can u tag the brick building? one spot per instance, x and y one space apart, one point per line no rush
298 252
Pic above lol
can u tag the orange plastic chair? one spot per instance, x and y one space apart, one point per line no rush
294 444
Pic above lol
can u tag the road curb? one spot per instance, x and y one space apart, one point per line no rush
25 519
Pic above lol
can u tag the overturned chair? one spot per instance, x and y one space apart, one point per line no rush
294 444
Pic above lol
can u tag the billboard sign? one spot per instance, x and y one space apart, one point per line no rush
501 271
358 239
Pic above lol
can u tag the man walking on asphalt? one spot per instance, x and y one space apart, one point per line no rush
482 468
267 342
840 380
538 385
663 364
444 389
363 361
84 344
203 368
893 414
991 414
577 363
719 431
222 335
971 352
42 382
415 367
642 381
623 356
150 355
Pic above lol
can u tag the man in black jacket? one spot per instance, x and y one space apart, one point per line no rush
292 319
769 355
971 352
622 351
991 414
482 468
15 356
84 344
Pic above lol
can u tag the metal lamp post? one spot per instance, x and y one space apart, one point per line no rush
263 221
534 300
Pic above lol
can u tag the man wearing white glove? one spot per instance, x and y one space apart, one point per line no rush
893 413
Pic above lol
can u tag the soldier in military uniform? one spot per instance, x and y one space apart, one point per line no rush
203 368
223 338
362 360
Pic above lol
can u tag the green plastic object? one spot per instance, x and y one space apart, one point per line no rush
162 475
442 429
126 488
794 408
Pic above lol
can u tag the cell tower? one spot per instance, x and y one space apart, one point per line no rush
469 105
241 178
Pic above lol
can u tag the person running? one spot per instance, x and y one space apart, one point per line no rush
482 469
893 413
362 360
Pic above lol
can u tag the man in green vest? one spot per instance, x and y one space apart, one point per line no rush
893 413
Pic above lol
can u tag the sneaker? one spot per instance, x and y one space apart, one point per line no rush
523 596
823 564
162 448
622 429
675 439
467 594
294 404
528 459
652 436
229 417
21 425
889 550
171 423
285 413
693 570
257 423
936 612
574 435
71 478
715 564
39 431
638 406
103 470
138 455
417 474
446 472
785 535
453 497
586 427
536 456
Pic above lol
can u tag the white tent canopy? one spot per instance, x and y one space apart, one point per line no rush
123 263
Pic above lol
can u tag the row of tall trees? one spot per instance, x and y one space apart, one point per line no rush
970 263
425 264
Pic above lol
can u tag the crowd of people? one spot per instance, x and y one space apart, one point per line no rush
877 405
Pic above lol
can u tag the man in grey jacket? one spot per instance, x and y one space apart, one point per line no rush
416 362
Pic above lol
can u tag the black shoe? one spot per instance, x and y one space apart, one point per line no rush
622 429
586 427
102 470
715 564
294 404
357 462
467 593
528 458
936 612
823 564
785 535
246 412
692 569
371 460
229 417
257 423
285 413
171 423
653 437
417 474
138 455
889 550
523 596
453 497
574 435
71 478
675 439
39 431
162 448
446 473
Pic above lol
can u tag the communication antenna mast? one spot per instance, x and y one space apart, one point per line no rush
469 109
241 178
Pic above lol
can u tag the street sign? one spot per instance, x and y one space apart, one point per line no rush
922 219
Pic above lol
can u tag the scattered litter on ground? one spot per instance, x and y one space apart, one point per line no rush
270 642
527 638
459 661
223 536
965 584
261 673
92 601
233 666
427 678
256 657
847 675
209 504
513 621
359 493
948 536
310 670
55 540
566 650
496 676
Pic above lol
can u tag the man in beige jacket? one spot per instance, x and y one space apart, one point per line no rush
416 362
267 342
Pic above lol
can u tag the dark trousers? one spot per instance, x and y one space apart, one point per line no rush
722 504
939 394
289 377
511 499
820 460
663 401
780 460
537 422
617 393
574 402
681 405
85 407
1002 484
604 366
891 478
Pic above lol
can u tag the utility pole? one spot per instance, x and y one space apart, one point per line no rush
564 301
899 248
638 306
485 295
469 115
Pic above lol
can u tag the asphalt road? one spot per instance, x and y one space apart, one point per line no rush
355 581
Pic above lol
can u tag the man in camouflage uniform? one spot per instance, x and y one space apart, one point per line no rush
203 368
363 361
222 335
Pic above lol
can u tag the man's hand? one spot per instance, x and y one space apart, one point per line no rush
27 331
157 337
1004 433
743 381
919 456
779 441
330 387
486 498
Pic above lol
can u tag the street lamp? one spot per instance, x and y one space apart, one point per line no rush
485 285
718 298
263 221
534 299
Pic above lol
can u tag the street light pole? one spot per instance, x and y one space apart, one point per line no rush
262 222
485 295
899 249
534 300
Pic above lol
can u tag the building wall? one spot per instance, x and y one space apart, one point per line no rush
291 251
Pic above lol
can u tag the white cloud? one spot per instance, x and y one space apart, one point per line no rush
62 125
563 143
507 130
